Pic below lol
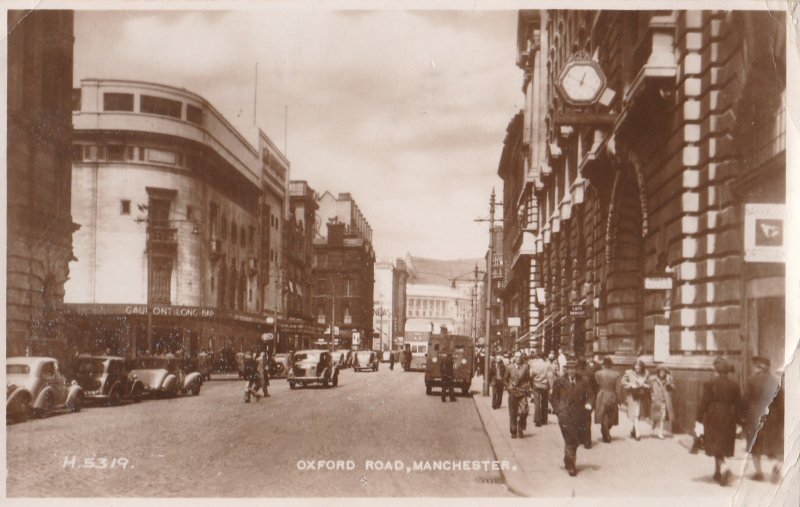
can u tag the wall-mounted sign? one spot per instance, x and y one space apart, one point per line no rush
356 338
763 233
514 322
661 343
658 282
577 311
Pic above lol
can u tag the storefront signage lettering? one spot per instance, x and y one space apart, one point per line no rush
658 282
577 311
171 311
763 233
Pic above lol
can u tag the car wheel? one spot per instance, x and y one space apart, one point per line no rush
77 405
428 389
23 410
336 380
465 391
47 409
136 395
325 382
291 385
196 388
114 397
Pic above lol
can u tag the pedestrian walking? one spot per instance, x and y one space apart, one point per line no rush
661 400
446 366
517 382
263 373
250 373
763 417
571 397
391 360
718 413
587 372
562 362
542 374
636 390
496 374
606 402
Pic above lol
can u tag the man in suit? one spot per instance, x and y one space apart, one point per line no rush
606 405
446 366
517 382
571 398
541 374
496 374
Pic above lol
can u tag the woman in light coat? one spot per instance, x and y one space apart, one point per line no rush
635 390
661 400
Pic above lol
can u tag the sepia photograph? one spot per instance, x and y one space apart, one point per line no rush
461 252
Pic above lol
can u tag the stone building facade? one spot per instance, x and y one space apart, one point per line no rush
39 220
639 198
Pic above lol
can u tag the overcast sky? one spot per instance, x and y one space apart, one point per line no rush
407 111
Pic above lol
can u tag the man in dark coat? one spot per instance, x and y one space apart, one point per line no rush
719 411
571 398
517 382
606 404
763 417
446 366
391 359
586 371
496 374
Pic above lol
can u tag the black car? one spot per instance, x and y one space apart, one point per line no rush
107 378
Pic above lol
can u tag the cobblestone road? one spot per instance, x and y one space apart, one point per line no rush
216 445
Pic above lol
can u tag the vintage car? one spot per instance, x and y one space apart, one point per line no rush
461 350
365 360
205 365
162 376
36 384
279 365
313 366
106 378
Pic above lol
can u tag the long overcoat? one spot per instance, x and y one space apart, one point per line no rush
661 399
607 401
719 411
570 404
763 415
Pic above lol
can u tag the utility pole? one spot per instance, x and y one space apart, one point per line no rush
489 283
333 309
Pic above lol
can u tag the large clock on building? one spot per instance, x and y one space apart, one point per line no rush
582 82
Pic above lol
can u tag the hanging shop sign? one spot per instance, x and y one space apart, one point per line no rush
763 233
514 322
577 311
658 282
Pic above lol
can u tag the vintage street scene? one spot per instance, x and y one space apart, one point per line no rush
300 253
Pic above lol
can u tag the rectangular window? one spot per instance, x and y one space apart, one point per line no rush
141 153
116 152
129 153
194 114
160 280
117 102
101 152
125 207
162 156
77 152
160 106
76 99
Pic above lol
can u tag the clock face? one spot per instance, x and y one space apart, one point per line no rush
581 82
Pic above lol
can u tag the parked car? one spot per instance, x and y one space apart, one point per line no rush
37 385
313 366
162 376
279 365
365 360
106 378
205 365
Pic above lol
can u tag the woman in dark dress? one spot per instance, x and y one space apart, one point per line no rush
763 417
719 412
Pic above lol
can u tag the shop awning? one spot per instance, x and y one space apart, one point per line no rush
526 338
547 320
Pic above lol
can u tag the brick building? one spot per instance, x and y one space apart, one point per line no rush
646 139
343 272
39 220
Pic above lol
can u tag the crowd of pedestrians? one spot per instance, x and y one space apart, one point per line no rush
574 389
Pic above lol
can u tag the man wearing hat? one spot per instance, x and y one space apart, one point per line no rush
571 399
606 409
718 413
497 371
517 381
763 417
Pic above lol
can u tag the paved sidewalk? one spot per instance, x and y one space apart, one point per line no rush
623 468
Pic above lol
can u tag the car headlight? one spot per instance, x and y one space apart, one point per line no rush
434 359
463 361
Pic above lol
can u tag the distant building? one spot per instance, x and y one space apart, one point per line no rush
344 261
382 305
441 293
399 301
39 220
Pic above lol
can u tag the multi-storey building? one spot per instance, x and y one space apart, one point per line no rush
343 272
177 239
653 157
300 327
399 301
441 293
382 321
40 226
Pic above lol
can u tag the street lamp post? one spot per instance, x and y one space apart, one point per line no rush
489 283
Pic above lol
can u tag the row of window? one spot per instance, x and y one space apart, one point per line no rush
124 153
150 104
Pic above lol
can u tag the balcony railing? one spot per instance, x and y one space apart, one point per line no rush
162 240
